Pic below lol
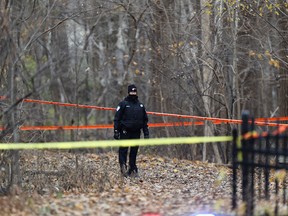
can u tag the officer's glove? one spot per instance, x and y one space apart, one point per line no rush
146 136
116 134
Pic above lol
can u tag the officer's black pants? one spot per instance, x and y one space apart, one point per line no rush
123 151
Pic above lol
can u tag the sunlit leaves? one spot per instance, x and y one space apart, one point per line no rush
137 71
252 53
274 63
253 7
260 56
267 55
209 7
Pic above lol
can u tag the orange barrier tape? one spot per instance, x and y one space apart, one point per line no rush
103 126
216 120
174 124
281 129
255 135
251 134
273 119
262 122
67 104
79 127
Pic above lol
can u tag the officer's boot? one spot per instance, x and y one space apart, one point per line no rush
123 169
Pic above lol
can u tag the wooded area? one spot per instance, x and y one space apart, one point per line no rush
210 58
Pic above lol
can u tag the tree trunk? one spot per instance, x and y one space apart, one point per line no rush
283 54
12 115
207 80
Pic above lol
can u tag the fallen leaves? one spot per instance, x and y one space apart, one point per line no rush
93 186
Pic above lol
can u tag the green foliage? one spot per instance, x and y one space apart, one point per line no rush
30 63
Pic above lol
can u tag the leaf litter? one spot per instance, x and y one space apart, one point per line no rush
69 183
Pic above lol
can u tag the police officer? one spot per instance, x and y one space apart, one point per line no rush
130 118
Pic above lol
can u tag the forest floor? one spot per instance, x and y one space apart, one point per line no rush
63 183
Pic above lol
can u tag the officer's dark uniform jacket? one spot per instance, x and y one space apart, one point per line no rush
131 116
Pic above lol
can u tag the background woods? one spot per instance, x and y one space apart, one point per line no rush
207 58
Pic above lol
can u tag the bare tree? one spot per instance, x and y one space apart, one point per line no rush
283 59
203 58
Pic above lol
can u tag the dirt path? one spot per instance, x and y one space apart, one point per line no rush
95 187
